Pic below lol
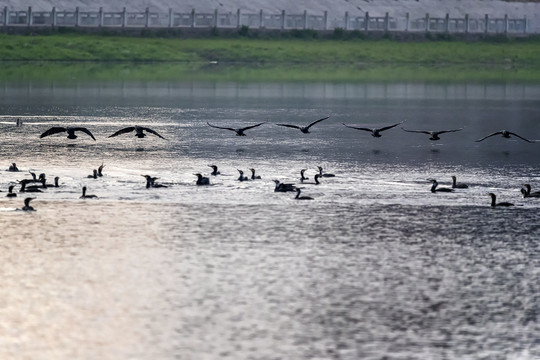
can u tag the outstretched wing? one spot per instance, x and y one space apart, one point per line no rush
219 127
358 128
316 121
522 138
291 126
388 127
123 131
490 135
53 130
446 131
84 130
417 131
251 127
152 132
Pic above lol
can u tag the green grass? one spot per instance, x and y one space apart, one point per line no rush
274 59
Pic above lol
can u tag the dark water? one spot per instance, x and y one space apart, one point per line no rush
376 266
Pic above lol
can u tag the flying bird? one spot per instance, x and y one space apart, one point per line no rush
433 135
304 129
505 134
139 131
70 131
239 132
376 132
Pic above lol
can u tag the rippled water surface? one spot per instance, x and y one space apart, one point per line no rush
375 267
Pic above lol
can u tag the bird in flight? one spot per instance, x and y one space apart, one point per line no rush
239 132
304 129
138 131
505 134
70 131
433 135
376 132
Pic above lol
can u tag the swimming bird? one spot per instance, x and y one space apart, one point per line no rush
304 129
376 132
100 170
529 193
505 134
94 174
253 176
151 182
139 131
10 192
215 171
70 131
433 135
283 187
298 197
84 196
56 178
456 185
242 177
434 187
324 175
27 206
302 177
24 188
202 180
494 203
13 167
240 131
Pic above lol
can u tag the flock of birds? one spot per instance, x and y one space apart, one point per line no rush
38 183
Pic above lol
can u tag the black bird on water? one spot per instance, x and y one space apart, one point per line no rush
527 192
505 134
139 131
202 180
215 171
151 182
283 187
456 185
304 129
70 131
433 135
27 206
375 132
253 176
84 196
494 201
239 131
13 167
435 188
298 197
10 193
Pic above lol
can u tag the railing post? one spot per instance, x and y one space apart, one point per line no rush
77 16
53 17
366 22
238 18
100 16
407 17
261 19
283 19
506 23
466 23
305 20
193 22
386 22
6 16
215 18
29 17
325 20
124 17
427 22
447 23
147 17
171 18
486 19
346 20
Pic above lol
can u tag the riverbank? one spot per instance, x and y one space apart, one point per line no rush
117 57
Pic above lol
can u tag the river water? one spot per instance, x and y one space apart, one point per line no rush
375 267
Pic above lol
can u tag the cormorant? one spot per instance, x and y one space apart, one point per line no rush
298 197
202 180
138 131
376 132
10 192
505 134
70 131
27 206
529 193
324 175
433 135
84 196
282 187
304 129
253 176
239 132
456 185
494 203
434 187
242 177
215 171
13 167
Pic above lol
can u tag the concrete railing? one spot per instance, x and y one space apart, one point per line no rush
260 20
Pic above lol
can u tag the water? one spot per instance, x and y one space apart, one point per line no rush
376 266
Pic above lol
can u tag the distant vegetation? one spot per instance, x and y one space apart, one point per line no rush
301 55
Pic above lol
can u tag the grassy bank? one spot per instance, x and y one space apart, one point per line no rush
116 57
